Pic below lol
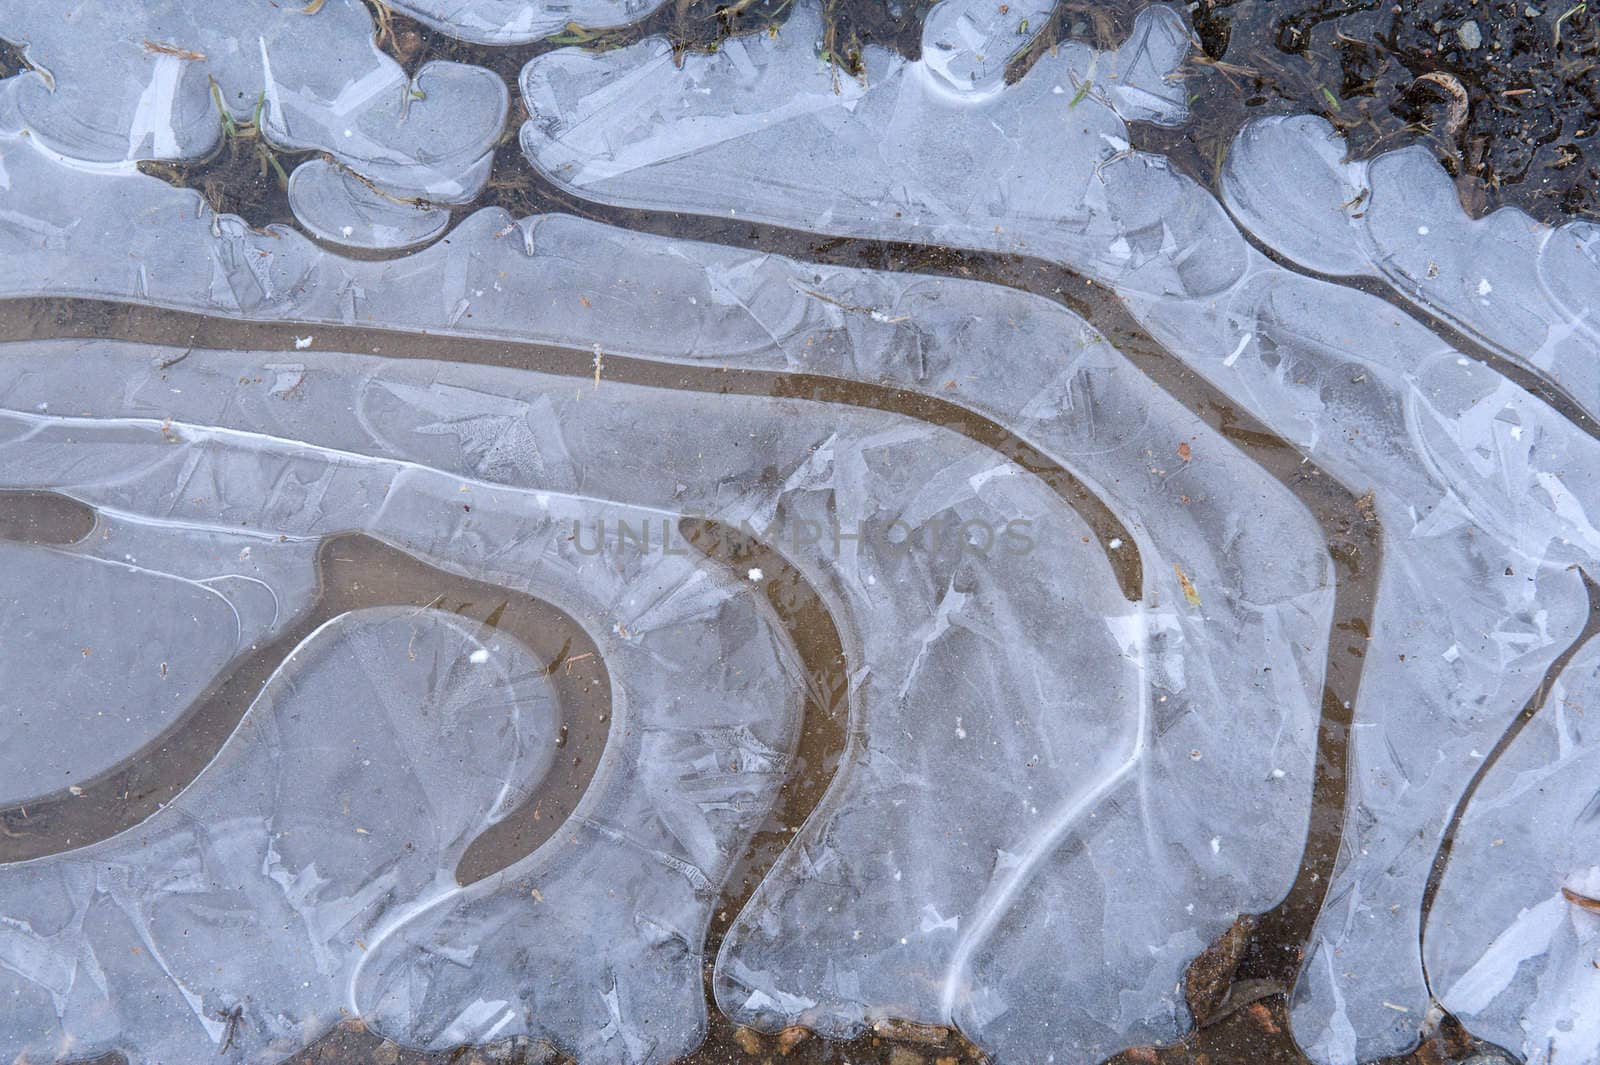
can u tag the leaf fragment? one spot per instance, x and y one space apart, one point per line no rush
159 48
1189 591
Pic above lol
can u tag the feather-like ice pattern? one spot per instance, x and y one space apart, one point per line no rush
1484 492
644 962
1216 516
859 472
150 81
1485 495
506 22
1526 289
1514 935
969 43
236 915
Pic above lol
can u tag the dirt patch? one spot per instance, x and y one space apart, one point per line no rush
1505 94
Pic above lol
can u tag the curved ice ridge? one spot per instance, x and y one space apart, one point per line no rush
522 21
238 913
1525 289
82 663
110 86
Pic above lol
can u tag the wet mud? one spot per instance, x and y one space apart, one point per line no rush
28 517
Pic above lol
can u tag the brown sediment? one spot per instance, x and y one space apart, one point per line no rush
354 572
1389 75
824 734
1582 902
41 318
1257 1033
687 25
43 517
1211 975
246 176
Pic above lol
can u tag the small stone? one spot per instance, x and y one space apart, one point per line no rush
748 1040
902 1056
792 1037
1469 34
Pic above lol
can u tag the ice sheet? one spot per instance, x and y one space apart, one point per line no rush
937 882
67 676
701 682
237 913
340 208
1249 553
763 129
1483 491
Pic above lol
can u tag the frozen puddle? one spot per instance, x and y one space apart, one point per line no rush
489 627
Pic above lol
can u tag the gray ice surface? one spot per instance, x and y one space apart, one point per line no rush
242 462
118 675
762 128
1525 289
668 828
1514 937
1250 551
967 44
1214 515
341 208
1485 495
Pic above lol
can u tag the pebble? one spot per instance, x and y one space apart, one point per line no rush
1469 34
